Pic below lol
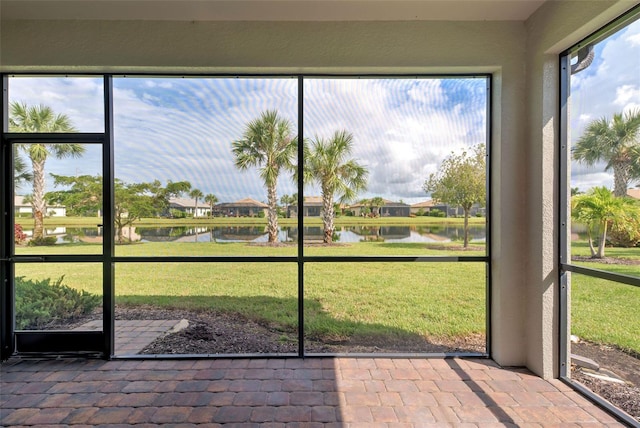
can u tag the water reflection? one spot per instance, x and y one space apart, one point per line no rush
258 234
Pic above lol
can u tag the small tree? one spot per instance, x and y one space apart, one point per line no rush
82 197
267 143
461 181
196 194
36 119
211 199
328 164
599 209
132 202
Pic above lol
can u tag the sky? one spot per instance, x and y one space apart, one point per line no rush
182 128
610 85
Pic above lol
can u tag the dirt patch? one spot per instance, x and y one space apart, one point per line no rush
626 367
221 333
606 260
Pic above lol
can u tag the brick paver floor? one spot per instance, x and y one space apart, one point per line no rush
339 392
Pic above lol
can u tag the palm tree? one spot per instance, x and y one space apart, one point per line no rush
287 201
21 173
599 208
267 143
327 164
615 142
196 194
41 119
211 199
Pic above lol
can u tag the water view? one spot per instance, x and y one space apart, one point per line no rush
258 234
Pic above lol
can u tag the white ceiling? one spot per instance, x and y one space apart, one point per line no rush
272 10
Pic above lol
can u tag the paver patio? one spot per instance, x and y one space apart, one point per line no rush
349 392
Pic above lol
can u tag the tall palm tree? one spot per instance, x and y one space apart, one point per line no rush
267 143
196 194
327 163
21 172
211 199
616 142
41 119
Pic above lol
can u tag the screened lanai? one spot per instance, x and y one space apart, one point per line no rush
161 98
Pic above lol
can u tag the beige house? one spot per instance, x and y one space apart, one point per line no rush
23 209
246 207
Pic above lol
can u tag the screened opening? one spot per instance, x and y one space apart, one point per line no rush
274 215
600 249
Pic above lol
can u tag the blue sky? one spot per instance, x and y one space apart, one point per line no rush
610 85
181 128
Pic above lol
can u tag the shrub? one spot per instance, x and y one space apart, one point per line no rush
40 302
624 234
45 241
18 234
177 213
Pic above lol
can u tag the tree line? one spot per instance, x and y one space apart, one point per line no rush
267 143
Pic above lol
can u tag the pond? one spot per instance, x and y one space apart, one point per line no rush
257 234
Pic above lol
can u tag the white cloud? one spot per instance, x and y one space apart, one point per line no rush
611 85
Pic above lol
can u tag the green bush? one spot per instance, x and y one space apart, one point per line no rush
45 241
177 213
39 302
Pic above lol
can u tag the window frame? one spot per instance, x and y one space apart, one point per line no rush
109 259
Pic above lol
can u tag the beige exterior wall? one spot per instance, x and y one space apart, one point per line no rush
522 57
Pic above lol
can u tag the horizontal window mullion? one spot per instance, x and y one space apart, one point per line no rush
52 138
597 273
429 259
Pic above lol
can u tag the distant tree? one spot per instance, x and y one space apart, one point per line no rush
133 201
598 209
460 181
196 194
616 142
375 204
328 163
162 194
82 197
41 119
287 201
267 143
211 199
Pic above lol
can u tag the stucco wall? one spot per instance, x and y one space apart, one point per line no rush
552 29
521 56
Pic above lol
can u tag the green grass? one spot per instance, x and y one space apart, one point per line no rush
341 299
605 312
345 299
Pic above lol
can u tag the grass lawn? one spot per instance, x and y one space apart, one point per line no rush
341 299
604 311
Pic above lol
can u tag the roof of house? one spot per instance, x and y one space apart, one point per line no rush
424 204
243 203
633 193
186 203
